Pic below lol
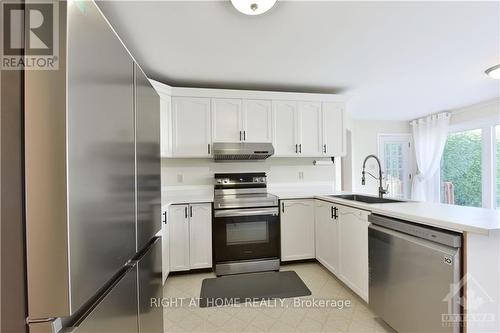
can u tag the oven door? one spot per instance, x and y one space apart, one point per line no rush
246 234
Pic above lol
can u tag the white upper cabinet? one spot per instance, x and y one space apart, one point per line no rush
191 134
310 131
298 125
257 121
226 120
285 122
333 129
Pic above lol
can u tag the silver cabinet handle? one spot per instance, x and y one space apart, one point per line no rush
296 148
190 211
282 207
244 135
185 212
300 148
165 217
240 135
324 148
209 149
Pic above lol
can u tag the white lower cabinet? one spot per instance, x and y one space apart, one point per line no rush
353 224
342 243
179 237
200 236
297 229
165 246
190 236
327 235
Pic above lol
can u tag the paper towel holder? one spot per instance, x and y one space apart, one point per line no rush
315 162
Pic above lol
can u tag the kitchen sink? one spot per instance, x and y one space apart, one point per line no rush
364 198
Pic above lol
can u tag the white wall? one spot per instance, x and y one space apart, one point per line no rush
364 141
282 171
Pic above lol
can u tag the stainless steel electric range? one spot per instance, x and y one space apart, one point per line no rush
246 225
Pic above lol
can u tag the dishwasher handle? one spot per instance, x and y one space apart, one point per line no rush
431 234
378 232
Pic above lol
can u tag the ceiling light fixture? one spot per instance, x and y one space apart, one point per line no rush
253 7
493 72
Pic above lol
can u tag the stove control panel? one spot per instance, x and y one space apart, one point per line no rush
256 178
259 179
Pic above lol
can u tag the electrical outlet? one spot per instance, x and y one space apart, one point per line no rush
301 175
180 178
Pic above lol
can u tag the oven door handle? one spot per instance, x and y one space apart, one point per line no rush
246 212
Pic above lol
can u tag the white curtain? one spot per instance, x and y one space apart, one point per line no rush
429 136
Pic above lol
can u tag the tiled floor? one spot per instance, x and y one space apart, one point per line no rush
267 317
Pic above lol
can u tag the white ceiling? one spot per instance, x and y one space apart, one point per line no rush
395 60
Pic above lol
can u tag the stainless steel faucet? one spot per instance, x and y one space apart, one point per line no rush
381 189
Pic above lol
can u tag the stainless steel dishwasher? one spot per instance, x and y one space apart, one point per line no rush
412 270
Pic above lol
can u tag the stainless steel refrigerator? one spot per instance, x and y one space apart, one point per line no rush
92 177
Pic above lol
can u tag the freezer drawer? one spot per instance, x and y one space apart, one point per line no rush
410 280
115 312
150 286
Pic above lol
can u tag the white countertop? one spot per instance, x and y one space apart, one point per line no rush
451 217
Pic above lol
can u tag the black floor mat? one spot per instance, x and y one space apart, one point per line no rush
233 289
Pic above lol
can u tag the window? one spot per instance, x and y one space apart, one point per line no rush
461 169
497 143
394 152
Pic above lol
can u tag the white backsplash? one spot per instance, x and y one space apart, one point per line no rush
287 172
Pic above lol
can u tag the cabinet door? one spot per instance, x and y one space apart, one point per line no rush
191 135
226 120
327 242
165 246
311 139
285 128
297 229
333 129
179 237
257 121
353 225
200 235
165 126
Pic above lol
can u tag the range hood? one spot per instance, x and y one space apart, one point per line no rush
242 151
